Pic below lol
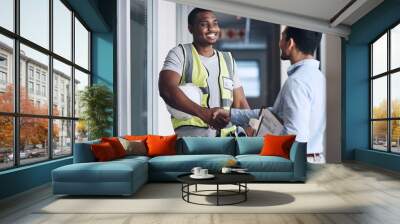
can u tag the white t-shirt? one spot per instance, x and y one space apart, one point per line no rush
174 62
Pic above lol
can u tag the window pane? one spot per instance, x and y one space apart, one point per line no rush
395 95
395 47
249 75
379 55
81 81
34 72
6 74
7 14
62 89
6 142
395 136
379 97
62 138
35 21
81 45
139 21
62 29
81 131
379 135
33 139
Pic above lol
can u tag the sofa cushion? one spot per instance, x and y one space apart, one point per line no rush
161 145
116 145
249 145
185 163
277 145
103 152
111 171
134 147
257 163
207 145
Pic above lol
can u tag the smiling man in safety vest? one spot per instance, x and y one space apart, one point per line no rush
212 71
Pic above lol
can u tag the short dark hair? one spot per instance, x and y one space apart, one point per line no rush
193 14
306 41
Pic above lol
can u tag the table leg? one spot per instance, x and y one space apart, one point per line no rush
196 188
245 191
217 194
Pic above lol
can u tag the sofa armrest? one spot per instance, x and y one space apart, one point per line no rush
83 152
298 155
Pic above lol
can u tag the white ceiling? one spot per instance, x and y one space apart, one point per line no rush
315 15
321 9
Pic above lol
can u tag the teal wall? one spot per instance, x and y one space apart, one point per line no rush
355 92
24 178
100 16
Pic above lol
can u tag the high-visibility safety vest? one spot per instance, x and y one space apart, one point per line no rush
195 72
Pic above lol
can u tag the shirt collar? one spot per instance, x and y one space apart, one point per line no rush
310 62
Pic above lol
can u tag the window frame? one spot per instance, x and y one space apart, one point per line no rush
16 114
388 74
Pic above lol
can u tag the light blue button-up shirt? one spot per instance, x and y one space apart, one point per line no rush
301 104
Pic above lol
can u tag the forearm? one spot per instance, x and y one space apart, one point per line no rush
242 117
239 99
175 98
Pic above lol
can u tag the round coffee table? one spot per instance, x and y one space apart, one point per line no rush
238 179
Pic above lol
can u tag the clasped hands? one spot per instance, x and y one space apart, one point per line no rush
217 118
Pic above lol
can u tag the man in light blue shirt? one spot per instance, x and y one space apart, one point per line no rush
301 103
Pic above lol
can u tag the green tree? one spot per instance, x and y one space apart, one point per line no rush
97 104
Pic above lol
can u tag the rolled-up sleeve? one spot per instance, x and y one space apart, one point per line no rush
296 110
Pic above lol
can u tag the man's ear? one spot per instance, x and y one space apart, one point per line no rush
291 44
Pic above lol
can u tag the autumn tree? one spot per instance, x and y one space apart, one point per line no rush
33 131
380 127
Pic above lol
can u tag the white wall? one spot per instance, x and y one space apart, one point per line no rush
123 68
166 26
331 56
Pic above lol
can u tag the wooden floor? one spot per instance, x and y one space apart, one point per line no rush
378 189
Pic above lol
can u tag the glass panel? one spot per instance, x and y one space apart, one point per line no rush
81 131
379 97
34 97
249 75
138 65
35 21
6 142
379 135
81 45
395 136
379 55
33 139
6 74
7 14
395 47
81 81
62 138
62 29
395 95
62 89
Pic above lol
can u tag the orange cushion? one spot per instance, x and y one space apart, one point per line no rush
135 137
103 152
277 145
161 145
116 145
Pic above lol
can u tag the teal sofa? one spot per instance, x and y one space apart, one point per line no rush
125 176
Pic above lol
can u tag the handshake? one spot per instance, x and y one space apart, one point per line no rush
217 118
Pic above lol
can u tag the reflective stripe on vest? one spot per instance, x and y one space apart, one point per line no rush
195 72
